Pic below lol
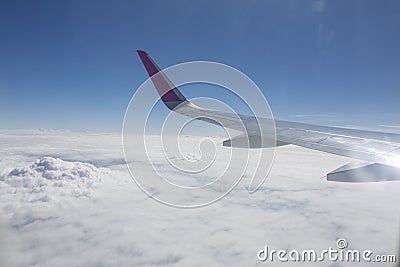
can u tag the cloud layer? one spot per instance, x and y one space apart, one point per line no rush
66 199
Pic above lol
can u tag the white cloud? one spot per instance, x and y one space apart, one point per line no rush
116 224
49 174
391 126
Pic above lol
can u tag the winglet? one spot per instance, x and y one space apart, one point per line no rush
169 94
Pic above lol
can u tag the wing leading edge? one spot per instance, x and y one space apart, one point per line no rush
378 148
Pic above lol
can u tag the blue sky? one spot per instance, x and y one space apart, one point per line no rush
72 64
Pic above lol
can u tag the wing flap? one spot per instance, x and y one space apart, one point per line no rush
349 146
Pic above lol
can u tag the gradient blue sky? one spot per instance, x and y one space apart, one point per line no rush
72 64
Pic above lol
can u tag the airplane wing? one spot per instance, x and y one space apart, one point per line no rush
380 151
